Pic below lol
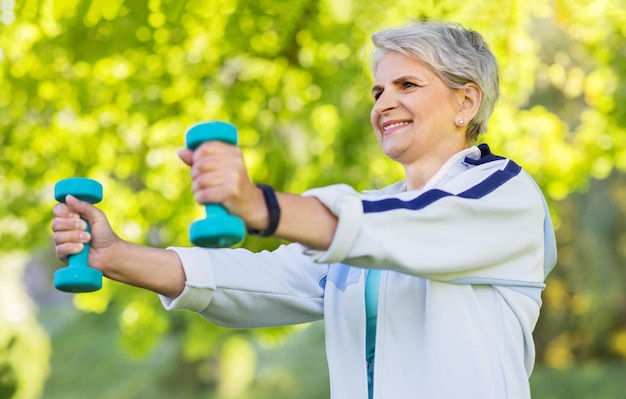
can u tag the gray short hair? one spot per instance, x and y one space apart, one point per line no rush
456 54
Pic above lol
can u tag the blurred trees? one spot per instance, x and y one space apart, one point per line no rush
107 89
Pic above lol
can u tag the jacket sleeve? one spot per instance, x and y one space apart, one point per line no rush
238 288
497 237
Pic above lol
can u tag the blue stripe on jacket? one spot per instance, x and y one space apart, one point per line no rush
478 191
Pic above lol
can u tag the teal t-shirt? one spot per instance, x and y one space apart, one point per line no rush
372 286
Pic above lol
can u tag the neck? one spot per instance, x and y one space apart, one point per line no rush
419 173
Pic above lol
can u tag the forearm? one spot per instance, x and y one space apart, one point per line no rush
305 220
154 269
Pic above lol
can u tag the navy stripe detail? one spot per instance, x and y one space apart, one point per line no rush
484 149
478 191
485 156
494 181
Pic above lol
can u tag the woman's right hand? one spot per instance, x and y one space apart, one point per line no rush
70 235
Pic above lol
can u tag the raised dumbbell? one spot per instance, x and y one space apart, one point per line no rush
78 276
219 228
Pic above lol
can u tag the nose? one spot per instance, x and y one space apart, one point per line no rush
386 102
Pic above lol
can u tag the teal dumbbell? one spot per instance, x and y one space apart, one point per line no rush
219 228
78 276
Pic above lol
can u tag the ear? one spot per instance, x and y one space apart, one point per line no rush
469 99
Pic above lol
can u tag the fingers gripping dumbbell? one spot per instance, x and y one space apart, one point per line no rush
219 228
78 276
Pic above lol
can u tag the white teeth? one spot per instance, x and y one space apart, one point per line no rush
395 125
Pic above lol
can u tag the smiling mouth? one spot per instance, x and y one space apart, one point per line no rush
394 125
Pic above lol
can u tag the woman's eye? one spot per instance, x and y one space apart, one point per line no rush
409 85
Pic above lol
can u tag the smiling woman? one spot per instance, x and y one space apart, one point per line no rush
429 287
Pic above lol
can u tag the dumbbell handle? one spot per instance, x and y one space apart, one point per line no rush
80 259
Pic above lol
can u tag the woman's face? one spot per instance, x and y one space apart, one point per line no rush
414 112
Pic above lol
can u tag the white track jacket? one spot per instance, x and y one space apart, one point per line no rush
464 262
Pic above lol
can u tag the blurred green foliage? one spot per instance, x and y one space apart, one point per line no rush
8 378
106 89
580 381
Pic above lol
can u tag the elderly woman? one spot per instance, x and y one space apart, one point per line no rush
429 288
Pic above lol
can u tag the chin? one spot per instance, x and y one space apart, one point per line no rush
393 155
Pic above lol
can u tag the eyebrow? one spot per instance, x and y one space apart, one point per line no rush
398 81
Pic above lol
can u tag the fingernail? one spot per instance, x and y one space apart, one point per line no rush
84 236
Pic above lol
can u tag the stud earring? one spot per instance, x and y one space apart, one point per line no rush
461 122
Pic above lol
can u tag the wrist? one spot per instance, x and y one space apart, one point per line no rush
271 212
113 260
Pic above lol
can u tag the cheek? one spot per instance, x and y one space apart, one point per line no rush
374 120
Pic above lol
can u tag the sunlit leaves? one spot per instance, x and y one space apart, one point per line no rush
618 342
599 87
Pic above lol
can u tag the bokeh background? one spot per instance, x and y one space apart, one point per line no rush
106 89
